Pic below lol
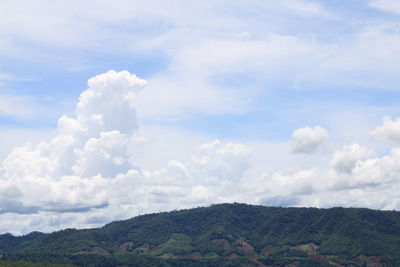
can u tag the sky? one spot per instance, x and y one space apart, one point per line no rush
112 109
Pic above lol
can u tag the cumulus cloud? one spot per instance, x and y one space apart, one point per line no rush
345 160
228 161
88 174
89 166
388 132
355 180
288 184
309 139
92 145
361 182
377 171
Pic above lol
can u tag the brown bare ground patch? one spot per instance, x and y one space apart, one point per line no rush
266 251
257 262
195 255
233 256
318 257
375 261
308 248
293 264
143 250
245 247
155 249
355 260
100 251
166 256
335 264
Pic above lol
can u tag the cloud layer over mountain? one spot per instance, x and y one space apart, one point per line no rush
87 167
290 102
87 173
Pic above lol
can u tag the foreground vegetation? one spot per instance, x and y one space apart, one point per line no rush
222 235
27 264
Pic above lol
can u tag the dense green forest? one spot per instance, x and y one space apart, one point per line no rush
221 235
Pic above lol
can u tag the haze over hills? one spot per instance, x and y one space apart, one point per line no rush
223 235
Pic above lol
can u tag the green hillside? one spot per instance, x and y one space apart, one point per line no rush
223 235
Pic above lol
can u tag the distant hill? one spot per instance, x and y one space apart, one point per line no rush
222 235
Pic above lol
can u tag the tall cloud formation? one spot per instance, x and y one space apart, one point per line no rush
87 166
92 143
92 146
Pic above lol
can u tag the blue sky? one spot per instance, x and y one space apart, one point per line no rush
52 67
260 98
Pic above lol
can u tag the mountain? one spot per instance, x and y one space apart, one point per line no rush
222 235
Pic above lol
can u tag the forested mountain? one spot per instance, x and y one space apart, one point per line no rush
222 235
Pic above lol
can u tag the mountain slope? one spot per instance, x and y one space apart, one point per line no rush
261 234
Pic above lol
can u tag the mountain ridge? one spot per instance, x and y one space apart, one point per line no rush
232 231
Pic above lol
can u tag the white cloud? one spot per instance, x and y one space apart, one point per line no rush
392 6
89 166
378 171
105 156
345 160
188 83
372 183
224 161
309 139
101 166
196 49
20 136
257 41
89 173
307 8
388 132
95 142
81 21
272 59
19 107
289 184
